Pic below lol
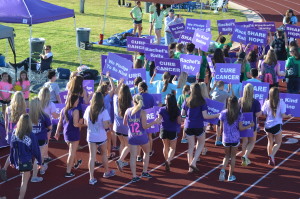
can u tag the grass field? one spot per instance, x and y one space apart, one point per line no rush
61 34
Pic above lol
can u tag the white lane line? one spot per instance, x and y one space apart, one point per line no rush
266 7
283 5
125 185
4 156
292 2
255 183
253 10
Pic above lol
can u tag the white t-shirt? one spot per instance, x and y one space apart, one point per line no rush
51 108
96 132
272 121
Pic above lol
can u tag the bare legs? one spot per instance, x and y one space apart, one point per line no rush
133 154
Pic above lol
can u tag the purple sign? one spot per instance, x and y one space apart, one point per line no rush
292 102
134 73
118 66
177 29
213 107
282 68
228 73
197 24
151 115
245 24
103 61
58 107
292 31
89 86
247 120
268 26
63 96
156 51
211 65
104 57
239 34
3 142
257 37
261 90
226 26
190 63
157 98
202 40
168 65
185 38
137 44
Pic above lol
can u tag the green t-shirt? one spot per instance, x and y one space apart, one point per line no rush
177 55
137 13
295 61
219 45
181 100
152 8
158 20
203 66
247 69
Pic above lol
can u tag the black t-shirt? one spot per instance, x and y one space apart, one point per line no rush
279 46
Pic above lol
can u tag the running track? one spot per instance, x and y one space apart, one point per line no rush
258 180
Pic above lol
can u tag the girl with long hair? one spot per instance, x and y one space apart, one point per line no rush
231 123
76 88
135 119
218 56
24 82
97 120
249 104
289 17
170 127
5 88
195 110
69 123
274 109
158 17
41 126
24 142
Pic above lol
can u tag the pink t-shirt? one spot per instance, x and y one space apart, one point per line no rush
24 85
5 86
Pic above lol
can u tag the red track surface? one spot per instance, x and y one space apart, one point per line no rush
258 180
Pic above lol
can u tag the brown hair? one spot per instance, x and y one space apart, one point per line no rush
233 110
70 104
75 86
274 100
124 100
166 77
20 79
271 58
196 99
24 126
97 106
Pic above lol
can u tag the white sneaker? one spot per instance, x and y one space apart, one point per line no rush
43 169
231 178
222 175
36 179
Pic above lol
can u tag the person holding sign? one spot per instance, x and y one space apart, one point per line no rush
274 109
249 104
222 40
182 81
170 20
137 15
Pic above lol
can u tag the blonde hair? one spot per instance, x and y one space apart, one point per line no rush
35 110
18 106
204 91
138 104
271 58
24 126
247 99
44 97
182 79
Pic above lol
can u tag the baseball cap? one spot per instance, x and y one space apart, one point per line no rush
172 11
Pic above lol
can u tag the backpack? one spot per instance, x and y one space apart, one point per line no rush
293 70
269 74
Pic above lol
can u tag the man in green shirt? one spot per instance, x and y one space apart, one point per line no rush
222 40
137 15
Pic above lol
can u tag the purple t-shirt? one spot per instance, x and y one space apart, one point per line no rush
256 107
71 133
148 100
40 130
231 133
194 117
167 124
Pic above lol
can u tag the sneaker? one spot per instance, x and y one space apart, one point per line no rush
272 160
222 175
43 169
146 175
125 164
69 175
120 165
3 174
167 166
244 161
36 179
184 141
115 148
231 178
46 160
79 162
204 151
151 153
135 179
218 143
111 173
139 159
93 181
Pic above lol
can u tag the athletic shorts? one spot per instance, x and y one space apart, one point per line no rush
274 130
170 135
42 142
230 144
27 99
137 22
194 131
99 143
120 134
4 102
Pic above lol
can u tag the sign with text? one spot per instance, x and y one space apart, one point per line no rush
185 38
89 86
118 66
239 34
202 40
168 65
58 107
261 90
245 24
177 29
156 51
226 26
213 107
268 26
211 65
190 63
247 120
63 96
137 44
151 115
134 73
197 24
292 102
292 31
257 37
228 73
104 57
282 68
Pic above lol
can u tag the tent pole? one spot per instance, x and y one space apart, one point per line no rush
105 13
79 54
201 9
30 49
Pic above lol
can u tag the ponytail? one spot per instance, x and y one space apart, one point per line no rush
138 100
166 77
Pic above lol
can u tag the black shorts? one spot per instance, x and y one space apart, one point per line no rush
194 131
42 142
137 22
99 143
274 130
231 144
120 134
170 135
4 102
27 99
219 123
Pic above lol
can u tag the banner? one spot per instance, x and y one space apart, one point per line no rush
134 73
89 86
292 31
157 98
185 38
226 26
239 34
211 65
213 107
151 115
63 96
261 90
247 120
177 29
202 40
118 66
228 73
156 51
257 37
104 57
168 65
197 24
59 107
292 103
190 63
282 68
268 26
245 24
137 44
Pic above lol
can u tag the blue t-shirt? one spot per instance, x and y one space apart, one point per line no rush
159 84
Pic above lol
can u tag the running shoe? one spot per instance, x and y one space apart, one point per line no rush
135 179
79 162
151 153
244 161
204 151
167 166
69 175
184 141
46 160
222 175
3 174
272 160
93 181
218 143
139 159
115 148
125 164
43 169
36 179
146 175
231 178
111 173
120 165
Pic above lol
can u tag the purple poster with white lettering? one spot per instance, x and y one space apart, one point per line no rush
118 66
292 102
190 63
104 57
282 68
137 44
257 37
89 86
228 73
157 98
202 40
226 26
213 107
292 31
239 34
134 73
268 26
177 29
168 65
63 96
197 24
245 24
261 90
58 107
210 64
151 115
156 51
247 120
185 38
